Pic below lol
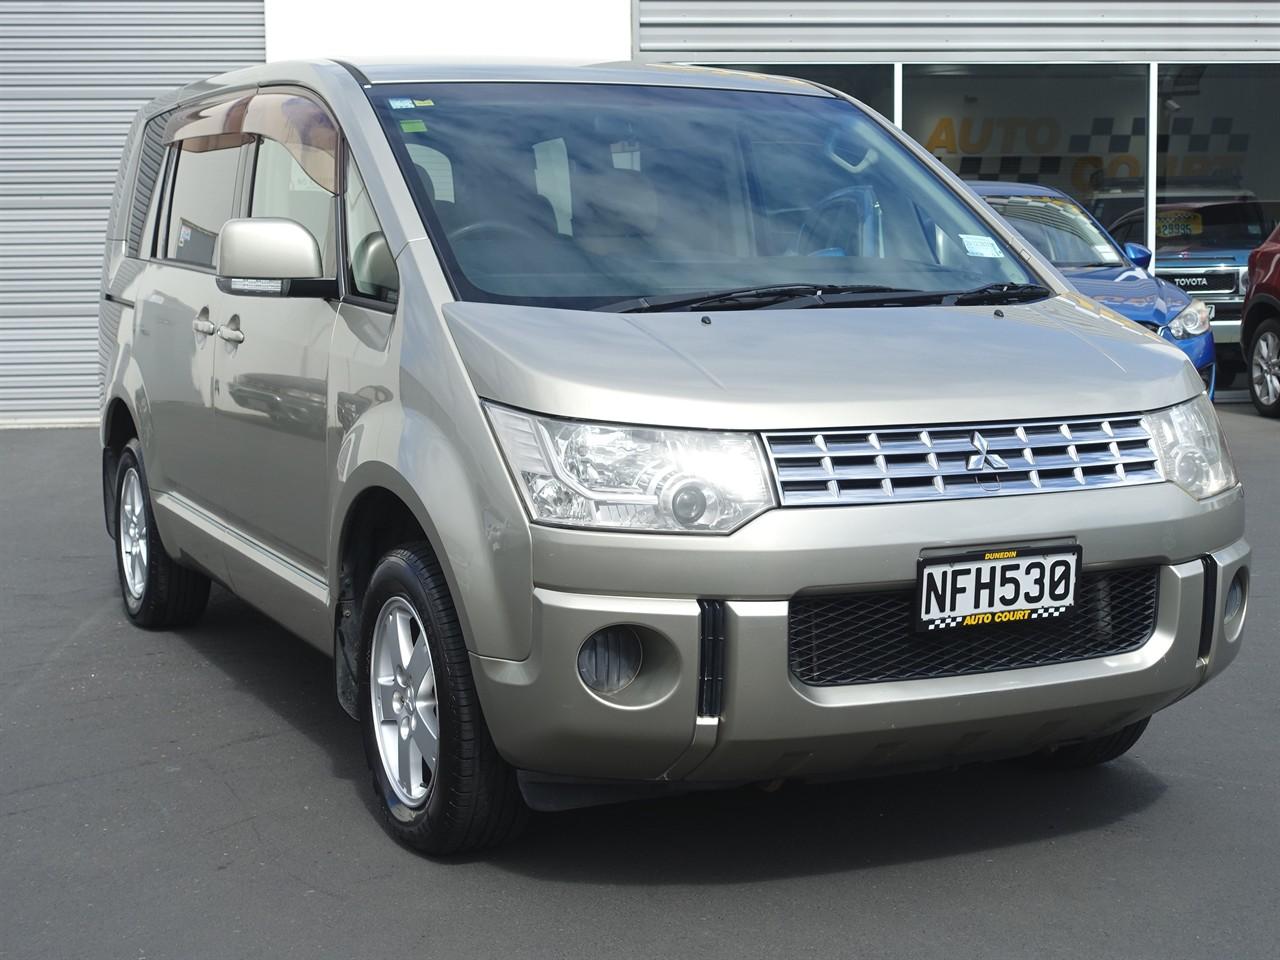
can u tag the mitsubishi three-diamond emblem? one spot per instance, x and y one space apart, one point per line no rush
984 459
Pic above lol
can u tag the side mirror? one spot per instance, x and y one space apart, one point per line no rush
269 257
1140 255
372 264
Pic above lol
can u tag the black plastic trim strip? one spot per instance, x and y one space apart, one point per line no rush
1209 606
355 72
711 658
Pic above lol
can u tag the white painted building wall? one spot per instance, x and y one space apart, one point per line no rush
586 30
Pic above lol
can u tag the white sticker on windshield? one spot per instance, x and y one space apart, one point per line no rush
980 246
400 103
1104 251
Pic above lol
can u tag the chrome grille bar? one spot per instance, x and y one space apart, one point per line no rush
956 461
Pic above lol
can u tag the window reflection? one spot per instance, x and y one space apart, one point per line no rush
1080 128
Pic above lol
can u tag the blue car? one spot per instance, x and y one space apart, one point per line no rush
1065 233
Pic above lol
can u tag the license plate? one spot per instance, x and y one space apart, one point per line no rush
996 587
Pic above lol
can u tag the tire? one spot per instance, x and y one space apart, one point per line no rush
1264 368
1091 753
417 696
157 591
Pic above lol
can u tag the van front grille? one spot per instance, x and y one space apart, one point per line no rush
955 461
836 640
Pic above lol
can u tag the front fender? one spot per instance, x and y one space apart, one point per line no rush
483 548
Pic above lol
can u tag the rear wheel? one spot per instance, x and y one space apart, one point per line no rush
157 592
442 785
1264 368
1090 753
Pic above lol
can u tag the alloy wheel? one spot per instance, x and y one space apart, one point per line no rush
405 709
1265 369
133 534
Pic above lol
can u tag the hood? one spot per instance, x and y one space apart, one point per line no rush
778 369
1131 292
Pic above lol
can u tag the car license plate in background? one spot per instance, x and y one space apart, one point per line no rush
996 587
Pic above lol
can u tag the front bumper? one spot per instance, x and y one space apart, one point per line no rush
544 719
1227 318
1200 351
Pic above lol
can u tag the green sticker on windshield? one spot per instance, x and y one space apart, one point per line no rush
413 126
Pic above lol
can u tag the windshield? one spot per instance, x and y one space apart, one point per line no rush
1059 229
1188 223
1210 226
581 195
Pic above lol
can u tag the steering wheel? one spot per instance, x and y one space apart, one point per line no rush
845 197
491 226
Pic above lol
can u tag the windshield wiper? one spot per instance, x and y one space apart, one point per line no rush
999 293
991 293
790 295
747 298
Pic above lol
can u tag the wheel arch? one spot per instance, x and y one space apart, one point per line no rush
1261 306
378 511
380 515
118 424
118 428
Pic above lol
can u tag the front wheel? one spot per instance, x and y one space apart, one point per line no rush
442 785
1264 368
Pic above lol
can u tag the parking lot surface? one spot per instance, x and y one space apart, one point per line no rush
199 794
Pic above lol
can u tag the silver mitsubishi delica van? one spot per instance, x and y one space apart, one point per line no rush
621 429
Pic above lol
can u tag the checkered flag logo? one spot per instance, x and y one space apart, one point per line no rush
1047 612
946 623
1106 137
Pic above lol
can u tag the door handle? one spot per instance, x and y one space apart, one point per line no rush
230 334
205 327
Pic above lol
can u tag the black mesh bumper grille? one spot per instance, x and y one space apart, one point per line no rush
870 638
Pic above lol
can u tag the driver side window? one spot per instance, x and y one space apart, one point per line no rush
282 187
371 270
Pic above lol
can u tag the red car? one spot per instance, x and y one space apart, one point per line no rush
1260 333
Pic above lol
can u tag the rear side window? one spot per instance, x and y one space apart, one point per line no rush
204 192
141 227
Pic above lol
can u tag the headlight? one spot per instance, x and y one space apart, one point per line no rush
1193 452
1192 321
633 478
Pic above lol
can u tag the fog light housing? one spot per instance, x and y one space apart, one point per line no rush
1235 598
610 659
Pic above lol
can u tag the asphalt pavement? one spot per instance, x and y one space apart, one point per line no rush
199 794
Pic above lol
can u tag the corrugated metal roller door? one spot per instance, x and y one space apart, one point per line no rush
954 30
72 73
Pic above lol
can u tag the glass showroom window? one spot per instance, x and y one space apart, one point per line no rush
1081 128
1218 183
870 83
